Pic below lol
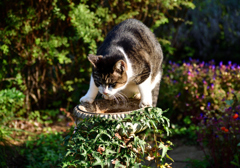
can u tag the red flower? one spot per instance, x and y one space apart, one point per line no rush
235 116
224 129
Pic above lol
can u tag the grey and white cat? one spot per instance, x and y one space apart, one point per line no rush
128 63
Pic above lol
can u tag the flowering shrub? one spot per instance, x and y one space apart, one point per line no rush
198 87
209 95
220 134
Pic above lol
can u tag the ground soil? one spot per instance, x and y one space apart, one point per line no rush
10 147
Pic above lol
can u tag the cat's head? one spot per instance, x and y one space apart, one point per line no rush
109 74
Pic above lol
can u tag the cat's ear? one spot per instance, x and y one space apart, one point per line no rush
94 59
120 66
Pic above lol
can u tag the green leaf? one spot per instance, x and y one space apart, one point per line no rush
99 161
109 151
164 149
169 157
234 163
153 124
229 102
118 164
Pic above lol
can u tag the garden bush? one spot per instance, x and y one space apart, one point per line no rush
210 31
205 102
11 102
46 151
219 134
98 141
197 87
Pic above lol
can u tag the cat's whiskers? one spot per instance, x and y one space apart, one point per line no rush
115 98
125 96
122 97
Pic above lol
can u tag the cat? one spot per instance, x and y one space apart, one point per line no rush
128 63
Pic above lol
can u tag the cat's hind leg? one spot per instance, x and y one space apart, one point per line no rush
146 93
91 94
155 88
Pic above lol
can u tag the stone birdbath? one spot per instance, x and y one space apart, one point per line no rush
110 109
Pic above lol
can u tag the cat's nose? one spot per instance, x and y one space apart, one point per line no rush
105 93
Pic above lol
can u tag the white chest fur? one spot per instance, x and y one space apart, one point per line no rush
131 89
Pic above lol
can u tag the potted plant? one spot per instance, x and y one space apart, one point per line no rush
100 141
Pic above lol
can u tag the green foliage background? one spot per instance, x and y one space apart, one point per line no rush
210 31
44 44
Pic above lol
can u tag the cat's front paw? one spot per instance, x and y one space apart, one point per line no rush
145 103
137 96
86 99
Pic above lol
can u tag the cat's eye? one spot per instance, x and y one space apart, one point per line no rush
112 84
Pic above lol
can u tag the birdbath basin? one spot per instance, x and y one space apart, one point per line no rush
110 108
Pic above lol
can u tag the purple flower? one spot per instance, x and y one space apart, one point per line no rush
212 85
204 82
178 94
170 62
190 59
221 63
229 62
209 104
205 119
213 67
238 67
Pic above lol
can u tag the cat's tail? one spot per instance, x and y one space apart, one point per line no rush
155 93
